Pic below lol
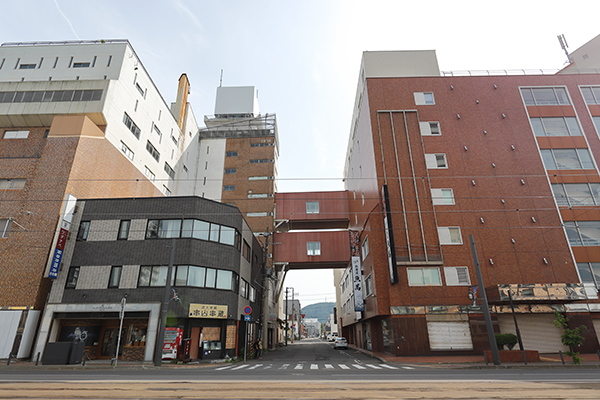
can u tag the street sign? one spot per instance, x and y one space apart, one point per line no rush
247 318
247 310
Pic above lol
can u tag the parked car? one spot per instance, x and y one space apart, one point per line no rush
331 337
340 343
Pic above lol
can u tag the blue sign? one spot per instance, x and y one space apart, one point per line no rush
247 310
53 273
247 318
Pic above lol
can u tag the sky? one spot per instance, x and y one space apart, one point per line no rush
304 59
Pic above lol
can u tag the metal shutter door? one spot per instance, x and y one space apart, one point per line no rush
537 331
449 335
596 323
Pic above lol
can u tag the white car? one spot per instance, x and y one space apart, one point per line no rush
332 336
340 343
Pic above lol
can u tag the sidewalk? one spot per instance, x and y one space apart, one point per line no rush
590 360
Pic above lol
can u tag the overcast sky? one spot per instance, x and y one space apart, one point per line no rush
304 57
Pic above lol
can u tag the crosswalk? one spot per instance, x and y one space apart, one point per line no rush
310 367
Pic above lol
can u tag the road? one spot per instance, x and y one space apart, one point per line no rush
308 369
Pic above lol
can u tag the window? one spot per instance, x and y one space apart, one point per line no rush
228 188
246 251
5 227
153 276
84 228
430 128
14 183
424 277
547 96
81 65
131 125
124 229
226 280
149 174
256 214
576 194
435 161
597 123
166 191
365 248
313 248
231 154
442 196
127 151
72 278
449 235
174 140
211 276
164 228
424 98
139 88
115 277
230 171
152 150
244 288
368 286
15 134
257 195
312 207
196 276
158 132
252 294
262 161
567 159
27 66
583 233
227 235
258 178
589 273
555 126
169 171
591 95
260 144
457 276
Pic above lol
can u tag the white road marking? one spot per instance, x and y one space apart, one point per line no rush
387 366
222 368
358 366
373 366
255 366
408 367
298 366
240 367
343 366
314 366
328 366
284 366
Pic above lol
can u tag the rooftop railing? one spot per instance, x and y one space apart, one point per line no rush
65 42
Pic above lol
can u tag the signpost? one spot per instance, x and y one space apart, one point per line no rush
247 318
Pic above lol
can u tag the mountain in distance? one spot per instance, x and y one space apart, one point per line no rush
319 310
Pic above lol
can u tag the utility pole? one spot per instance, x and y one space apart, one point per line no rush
293 315
484 304
287 316
164 310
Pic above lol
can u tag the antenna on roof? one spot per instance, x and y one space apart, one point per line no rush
221 80
564 45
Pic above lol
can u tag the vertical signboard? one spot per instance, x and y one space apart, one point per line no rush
359 304
60 237
389 234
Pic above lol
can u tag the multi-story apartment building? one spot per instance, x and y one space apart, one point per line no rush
119 260
82 120
510 159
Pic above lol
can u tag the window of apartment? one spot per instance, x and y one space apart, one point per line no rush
131 125
151 276
583 233
72 278
257 195
228 188
124 229
166 191
5 227
127 151
430 128
152 150
567 159
115 277
424 276
313 248
84 229
169 171
442 196
591 95
449 235
424 98
368 286
81 65
15 135
158 132
576 194
230 171
226 280
555 126
231 154
174 139
259 178
597 123
246 250
546 96
252 294
312 207
261 161
435 161
149 174
457 276
365 248
163 228
27 66
589 273
260 144
139 88
14 183
244 288
256 214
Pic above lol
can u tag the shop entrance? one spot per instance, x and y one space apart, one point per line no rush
108 343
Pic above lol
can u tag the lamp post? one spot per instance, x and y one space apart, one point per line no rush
164 310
